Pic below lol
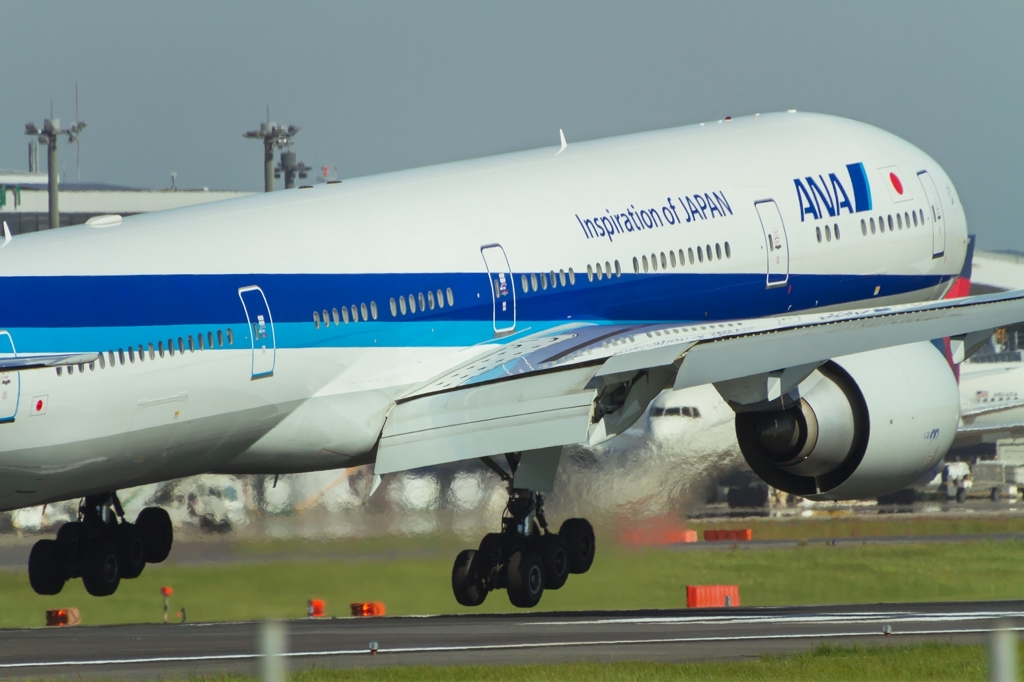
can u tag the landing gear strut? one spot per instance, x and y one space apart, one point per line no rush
101 547
525 558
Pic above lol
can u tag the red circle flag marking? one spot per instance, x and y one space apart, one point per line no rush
896 184
39 405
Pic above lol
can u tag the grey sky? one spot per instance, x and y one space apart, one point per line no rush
379 86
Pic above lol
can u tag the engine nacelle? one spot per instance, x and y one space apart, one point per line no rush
858 427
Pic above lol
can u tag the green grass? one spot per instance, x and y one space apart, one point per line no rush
620 578
847 525
920 662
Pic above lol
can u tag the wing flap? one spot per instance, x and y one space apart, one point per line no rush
518 414
13 363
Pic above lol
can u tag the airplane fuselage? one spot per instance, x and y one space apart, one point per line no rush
274 333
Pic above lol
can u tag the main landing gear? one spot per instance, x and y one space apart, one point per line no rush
525 558
100 547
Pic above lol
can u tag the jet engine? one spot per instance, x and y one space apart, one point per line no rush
857 427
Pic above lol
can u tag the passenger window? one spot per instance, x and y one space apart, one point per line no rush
554 280
231 337
728 251
199 337
872 221
561 277
608 269
599 274
71 368
363 311
92 366
334 314
394 307
689 252
110 358
60 370
700 255
496 292
533 282
209 340
120 355
890 223
835 228
316 319
103 364
718 251
863 227
220 334
544 280
906 220
922 216
915 218
373 309
401 304
355 311
682 258
899 221
828 234
526 284
654 262
191 347
636 266
131 355
159 347
664 261
142 353
645 263
420 298
451 296
170 347
618 269
708 251
440 299
412 303
672 258
181 346
590 273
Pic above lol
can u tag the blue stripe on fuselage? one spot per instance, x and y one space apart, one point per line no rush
63 314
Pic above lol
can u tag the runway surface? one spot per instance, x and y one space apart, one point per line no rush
150 651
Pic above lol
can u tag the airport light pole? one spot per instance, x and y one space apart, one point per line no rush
48 136
291 166
273 136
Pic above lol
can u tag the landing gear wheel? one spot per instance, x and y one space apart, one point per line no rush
101 573
131 551
46 571
154 525
466 583
579 540
555 557
961 495
525 579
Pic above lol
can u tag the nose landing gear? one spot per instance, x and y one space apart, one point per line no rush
525 558
101 547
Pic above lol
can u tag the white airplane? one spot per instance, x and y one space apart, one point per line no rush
499 307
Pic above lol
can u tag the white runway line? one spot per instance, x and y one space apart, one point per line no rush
794 619
491 647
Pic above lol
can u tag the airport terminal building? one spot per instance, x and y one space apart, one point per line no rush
24 200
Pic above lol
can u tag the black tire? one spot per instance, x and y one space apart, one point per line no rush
490 553
555 556
101 572
46 571
466 583
154 525
525 579
579 541
131 551
961 495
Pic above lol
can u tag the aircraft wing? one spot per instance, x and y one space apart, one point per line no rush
587 383
14 363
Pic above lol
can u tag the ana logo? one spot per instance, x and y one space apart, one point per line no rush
827 196
931 435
